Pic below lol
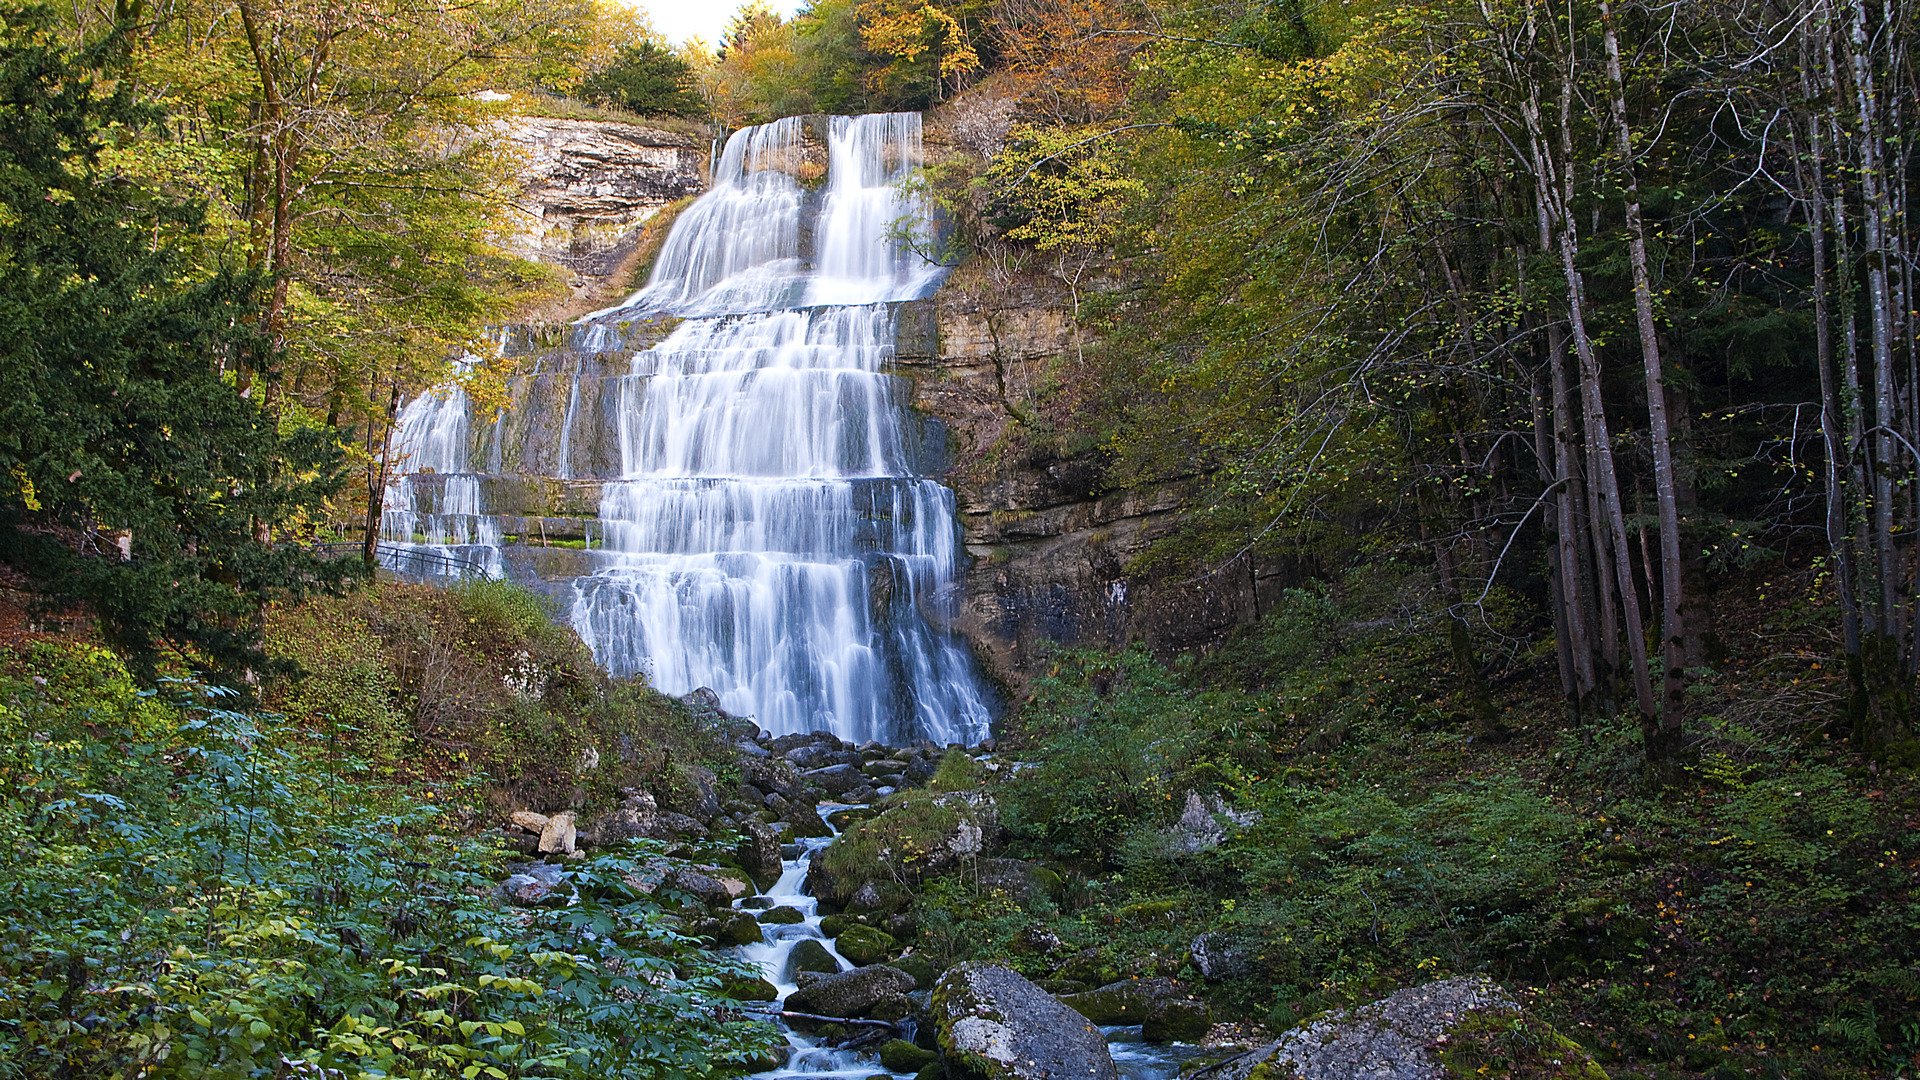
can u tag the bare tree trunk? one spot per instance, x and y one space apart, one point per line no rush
1664 736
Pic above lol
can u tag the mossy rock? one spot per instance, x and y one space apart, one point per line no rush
782 916
922 969
736 928
1514 1044
835 925
902 1056
811 955
807 825
865 945
935 1071
748 988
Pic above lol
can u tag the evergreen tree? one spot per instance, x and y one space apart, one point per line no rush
647 79
140 482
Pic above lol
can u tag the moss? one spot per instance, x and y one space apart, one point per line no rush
1517 1045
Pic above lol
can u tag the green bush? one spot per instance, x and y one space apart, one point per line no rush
478 680
183 892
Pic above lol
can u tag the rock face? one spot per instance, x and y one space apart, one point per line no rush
1049 548
589 184
993 1023
1404 1037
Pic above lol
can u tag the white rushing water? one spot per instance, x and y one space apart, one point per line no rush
434 522
769 535
806 1055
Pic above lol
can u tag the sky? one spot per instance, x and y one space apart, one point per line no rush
682 19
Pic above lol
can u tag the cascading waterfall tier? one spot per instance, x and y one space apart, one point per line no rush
434 522
770 534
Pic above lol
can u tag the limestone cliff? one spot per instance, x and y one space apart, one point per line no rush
1050 547
588 187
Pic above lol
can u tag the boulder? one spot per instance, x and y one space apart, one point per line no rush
528 820
835 779
694 795
994 1024
816 756
735 927
811 955
1455 1027
559 837
748 988
1023 881
902 1056
862 992
759 852
1164 1011
1218 955
782 916
864 945
537 885
1204 823
706 890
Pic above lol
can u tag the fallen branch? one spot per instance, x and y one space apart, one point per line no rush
818 1019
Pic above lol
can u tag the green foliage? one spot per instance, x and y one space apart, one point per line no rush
648 79
183 892
1761 916
120 423
479 679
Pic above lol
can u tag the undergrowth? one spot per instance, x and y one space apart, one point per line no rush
188 889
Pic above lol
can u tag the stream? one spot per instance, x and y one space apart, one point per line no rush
810 1057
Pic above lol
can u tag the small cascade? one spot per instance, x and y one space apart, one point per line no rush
807 1056
434 522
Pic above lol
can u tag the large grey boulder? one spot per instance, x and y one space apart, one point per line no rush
994 1024
1403 1037
855 993
1165 1011
759 852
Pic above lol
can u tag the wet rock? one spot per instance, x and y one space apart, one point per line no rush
734 927
994 1024
782 916
1406 1037
1165 1011
865 945
856 993
759 852
902 1056
811 955
835 779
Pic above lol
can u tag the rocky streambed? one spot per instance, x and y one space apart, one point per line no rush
819 892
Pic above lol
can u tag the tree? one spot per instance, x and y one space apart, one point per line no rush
137 471
648 79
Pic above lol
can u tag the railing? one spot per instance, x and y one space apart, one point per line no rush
418 563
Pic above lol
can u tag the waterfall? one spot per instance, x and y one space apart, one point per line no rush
434 522
771 534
